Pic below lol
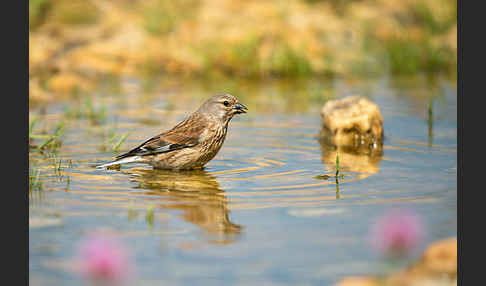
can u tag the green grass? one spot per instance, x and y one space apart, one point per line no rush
37 12
74 12
131 211
68 183
368 66
322 177
286 61
95 115
244 60
244 57
45 143
337 175
240 58
164 16
69 12
50 143
57 165
116 146
53 143
31 125
337 188
32 136
339 6
35 184
337 165
73 113
406 56
149 216
87 110
160 20
112 144
423 16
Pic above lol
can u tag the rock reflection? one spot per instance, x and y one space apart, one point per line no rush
198 194
352 159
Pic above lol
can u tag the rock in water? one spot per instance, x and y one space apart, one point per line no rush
358 281
353 121
436 267
441 257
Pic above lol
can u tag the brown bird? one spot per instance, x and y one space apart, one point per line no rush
190 144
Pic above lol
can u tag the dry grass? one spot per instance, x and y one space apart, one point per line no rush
254 39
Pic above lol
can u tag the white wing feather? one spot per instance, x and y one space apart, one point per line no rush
121 161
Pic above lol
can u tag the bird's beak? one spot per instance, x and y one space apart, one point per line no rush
239 108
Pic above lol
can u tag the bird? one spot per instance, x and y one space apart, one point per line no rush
190 144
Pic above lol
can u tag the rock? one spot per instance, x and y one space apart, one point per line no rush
353 121
436 267
358 281
439 260
353 128
441 257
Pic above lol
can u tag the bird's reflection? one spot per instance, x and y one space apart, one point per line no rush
360 159
197 194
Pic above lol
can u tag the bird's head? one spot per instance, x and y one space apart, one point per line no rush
222 107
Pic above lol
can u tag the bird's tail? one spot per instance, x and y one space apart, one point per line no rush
131 159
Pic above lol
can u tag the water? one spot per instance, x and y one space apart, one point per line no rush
257 214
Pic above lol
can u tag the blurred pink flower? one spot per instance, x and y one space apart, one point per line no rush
397 232
103 259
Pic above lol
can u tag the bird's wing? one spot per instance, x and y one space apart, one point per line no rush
183 135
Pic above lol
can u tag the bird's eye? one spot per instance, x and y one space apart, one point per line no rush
226 103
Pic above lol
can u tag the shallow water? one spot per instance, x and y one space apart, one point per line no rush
257 214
